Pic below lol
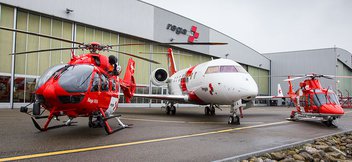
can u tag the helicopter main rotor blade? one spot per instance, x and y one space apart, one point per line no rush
132 55
40 35
165 53
195 43
128 44
291 79
153 52
44 50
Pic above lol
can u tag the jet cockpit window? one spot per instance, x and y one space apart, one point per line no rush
241 69
225 69
48 74
76 78
212 69
228 69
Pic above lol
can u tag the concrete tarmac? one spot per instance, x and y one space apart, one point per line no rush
155 136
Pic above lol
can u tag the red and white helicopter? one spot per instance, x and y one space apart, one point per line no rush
313 101
216 82
87 86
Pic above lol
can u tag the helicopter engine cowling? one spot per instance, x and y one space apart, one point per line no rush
159 76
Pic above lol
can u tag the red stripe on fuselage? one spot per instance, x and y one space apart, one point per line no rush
183 80
195 99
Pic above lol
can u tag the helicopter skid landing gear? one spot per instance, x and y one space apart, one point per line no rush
49 118
330 122
106 125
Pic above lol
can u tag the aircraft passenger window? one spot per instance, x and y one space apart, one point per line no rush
95 84
104 83
228 68
212 69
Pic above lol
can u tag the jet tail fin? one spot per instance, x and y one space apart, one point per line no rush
171 62
279 91
128 84
290 89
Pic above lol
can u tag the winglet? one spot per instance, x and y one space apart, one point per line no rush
128 84
171 62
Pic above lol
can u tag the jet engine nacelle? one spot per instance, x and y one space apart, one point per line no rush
159 77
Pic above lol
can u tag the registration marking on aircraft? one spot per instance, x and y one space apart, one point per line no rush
46 154
183 122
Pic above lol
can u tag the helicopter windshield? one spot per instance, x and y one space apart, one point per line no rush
48 74
321 99
76 78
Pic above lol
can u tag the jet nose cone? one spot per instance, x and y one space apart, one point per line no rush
250 92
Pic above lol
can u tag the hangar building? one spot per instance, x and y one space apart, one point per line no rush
329 61
107 22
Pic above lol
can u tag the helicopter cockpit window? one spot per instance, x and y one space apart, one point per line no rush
76 78
104 83
333 98
322 98
95 84
48 74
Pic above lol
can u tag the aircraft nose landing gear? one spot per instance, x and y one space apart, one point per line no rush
234 119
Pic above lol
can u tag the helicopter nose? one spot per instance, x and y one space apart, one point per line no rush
331 109
49 94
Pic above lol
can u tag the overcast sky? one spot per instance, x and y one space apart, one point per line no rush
273 25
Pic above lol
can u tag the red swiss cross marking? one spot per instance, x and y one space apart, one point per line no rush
194 34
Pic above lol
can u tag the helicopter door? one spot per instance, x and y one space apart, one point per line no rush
104 97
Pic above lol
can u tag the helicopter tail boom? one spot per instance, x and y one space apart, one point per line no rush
128 84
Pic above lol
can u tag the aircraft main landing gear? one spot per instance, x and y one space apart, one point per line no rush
209 110
170 108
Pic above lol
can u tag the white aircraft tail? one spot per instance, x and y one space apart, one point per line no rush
279 91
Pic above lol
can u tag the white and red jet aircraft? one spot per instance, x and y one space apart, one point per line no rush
216 82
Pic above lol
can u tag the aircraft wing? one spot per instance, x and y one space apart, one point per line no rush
268 97
176 98
279 94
